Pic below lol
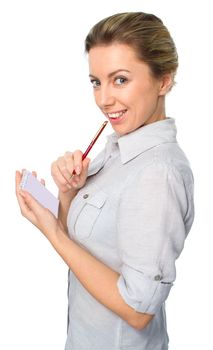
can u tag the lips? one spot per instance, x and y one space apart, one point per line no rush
116 115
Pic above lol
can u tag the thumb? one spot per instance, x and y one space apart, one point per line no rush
31 203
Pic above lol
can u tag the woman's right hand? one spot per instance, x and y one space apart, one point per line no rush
62 169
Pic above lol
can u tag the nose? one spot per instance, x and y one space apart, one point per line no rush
105 97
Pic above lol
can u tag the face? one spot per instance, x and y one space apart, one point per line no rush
124 88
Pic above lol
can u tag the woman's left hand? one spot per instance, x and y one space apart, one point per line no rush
33 211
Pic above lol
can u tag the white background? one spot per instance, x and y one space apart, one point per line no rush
47 108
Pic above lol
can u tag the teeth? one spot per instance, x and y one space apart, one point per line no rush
116 115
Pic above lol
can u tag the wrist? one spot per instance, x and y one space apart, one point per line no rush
67 196
58 237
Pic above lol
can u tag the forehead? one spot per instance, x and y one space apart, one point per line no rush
106 58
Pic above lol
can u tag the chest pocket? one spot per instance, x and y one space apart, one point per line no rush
88 211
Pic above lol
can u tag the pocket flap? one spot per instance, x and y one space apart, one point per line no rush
97 200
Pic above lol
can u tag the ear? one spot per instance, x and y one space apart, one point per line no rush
166 83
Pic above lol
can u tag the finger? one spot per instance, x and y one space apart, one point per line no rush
34 206
34 173
69 163
59 179
85 166
79 180
57 174
65 166
18 178
86 162
64 176
78 161
68 155
24 208
22 204
42 181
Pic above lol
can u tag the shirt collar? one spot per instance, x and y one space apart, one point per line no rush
144 138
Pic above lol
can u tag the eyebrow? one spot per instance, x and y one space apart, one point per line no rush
112 73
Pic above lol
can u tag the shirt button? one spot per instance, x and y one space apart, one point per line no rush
85 196
158 278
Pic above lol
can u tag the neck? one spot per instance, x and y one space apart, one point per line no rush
159 113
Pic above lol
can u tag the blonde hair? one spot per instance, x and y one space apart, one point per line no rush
144 32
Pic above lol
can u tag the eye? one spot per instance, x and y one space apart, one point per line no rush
95 83
120 80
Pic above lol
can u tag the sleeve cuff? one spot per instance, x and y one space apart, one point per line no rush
143 293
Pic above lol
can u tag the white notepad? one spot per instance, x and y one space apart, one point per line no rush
30 184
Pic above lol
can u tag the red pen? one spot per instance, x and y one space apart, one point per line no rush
92 142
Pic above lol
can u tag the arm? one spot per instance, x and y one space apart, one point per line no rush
65 200
148 261
157 211
99 280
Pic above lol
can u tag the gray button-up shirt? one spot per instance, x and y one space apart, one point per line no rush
133 214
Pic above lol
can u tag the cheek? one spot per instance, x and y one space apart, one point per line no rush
95 94
128 96
144 104
146 97
134 95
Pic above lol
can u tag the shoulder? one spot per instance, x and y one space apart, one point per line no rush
166 164
170 158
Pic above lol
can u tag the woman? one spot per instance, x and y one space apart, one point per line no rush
123 219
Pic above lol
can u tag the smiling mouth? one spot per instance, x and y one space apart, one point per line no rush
116 115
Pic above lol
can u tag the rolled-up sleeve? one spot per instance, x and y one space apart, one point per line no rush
154 216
